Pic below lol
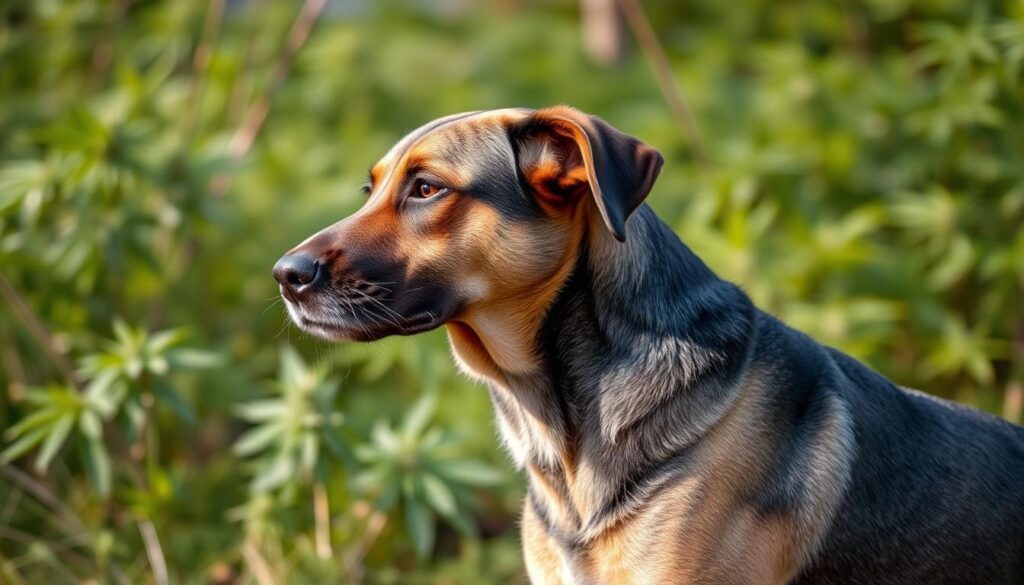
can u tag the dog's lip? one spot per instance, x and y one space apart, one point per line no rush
307 322
368 331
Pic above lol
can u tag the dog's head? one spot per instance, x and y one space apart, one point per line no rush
469 211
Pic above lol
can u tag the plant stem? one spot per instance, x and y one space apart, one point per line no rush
1013 399
201 65
155 553
662 69
71 521
257 113
257 564
38 330
322 520
354 557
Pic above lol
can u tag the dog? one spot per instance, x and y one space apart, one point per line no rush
670 431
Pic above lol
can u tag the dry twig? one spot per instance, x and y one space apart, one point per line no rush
663 74
257 113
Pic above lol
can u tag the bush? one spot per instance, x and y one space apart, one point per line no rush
862 177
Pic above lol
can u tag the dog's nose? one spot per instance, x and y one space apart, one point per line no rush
295 271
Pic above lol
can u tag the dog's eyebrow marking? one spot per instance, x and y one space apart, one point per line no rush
406 144
394 156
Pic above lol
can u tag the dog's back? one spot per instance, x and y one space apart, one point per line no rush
936 492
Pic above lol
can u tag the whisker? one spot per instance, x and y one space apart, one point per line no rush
287 322
382 306
356 319
373 316
271 306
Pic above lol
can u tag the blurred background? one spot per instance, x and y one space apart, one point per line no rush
858 167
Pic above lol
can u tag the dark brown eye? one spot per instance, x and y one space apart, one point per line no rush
423 189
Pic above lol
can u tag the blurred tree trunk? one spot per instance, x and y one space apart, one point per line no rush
602 30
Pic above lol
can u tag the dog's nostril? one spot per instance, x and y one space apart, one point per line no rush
296 270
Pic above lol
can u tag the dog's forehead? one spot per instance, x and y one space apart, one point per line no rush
454 138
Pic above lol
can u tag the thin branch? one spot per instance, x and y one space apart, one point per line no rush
9 571
663 74
155 553
72 523
63 547
322 517
354 557
257 113
1013 399
25 482
38 330
103 54
257 564
201 64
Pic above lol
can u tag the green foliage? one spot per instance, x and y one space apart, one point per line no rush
290 430
863 179
415 465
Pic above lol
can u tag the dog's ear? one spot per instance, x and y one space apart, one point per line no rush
563 153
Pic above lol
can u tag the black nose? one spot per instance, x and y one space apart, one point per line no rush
295 271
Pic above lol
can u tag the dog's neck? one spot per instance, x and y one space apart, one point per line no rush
637 325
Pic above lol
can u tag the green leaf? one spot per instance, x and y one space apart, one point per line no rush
370 479
193 359
108 398
462 522
438 494
262 410
293 369
309 450
19 178
385 439
23 444
257 439
90 425
278 473
389 496
337 446
37 419
472 473
56 436
955 263
124 334
162 340
419 416
172 399
420 523
97 466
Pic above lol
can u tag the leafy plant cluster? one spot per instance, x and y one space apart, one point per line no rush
860 174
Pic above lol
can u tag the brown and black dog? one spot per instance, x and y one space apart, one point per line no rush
670 431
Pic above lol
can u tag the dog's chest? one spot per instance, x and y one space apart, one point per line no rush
532 423
671 539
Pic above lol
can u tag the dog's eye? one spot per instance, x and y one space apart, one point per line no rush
423 189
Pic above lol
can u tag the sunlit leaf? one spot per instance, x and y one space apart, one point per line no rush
438 494
471 473
56 436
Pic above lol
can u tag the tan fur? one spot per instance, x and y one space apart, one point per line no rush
545 565
696 531
693 530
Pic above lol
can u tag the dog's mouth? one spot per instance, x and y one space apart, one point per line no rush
347 319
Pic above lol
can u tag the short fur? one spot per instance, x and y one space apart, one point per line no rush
670 431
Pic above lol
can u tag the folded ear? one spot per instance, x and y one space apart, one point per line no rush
563 153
